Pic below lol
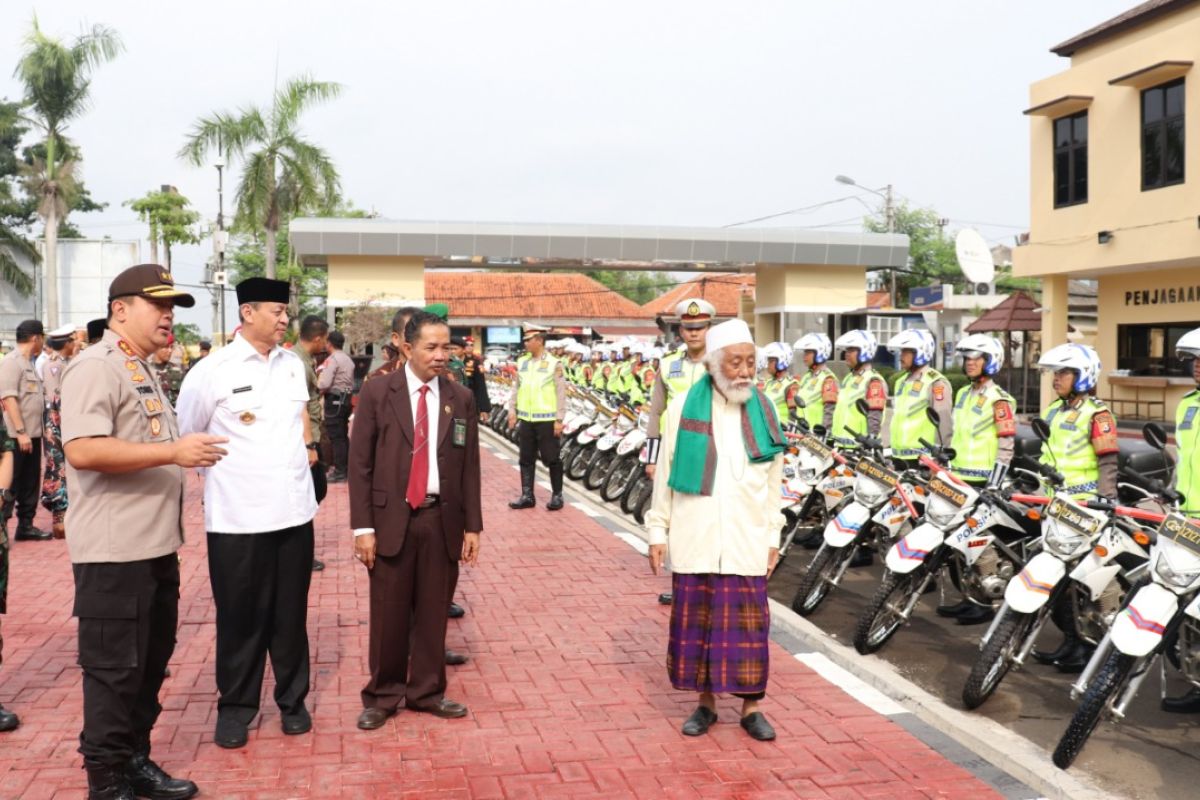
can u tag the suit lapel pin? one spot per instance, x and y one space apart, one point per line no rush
447 409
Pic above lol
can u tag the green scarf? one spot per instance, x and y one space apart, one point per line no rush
695 461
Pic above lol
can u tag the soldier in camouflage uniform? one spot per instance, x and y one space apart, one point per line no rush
60 348
167 373
8 720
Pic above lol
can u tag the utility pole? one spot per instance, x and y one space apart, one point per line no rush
890 210
219 278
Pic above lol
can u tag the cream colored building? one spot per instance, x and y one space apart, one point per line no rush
1114 198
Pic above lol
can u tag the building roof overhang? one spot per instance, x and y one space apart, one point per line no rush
1061 106
1153 75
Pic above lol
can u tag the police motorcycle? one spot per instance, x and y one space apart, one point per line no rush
628 466
882 502
582 410
1093 551
607 409
978 537
626 427
815 481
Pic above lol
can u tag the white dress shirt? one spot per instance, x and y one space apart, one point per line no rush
260 403
732 531
432 404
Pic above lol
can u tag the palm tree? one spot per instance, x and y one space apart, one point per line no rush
284 174
57 79
13 243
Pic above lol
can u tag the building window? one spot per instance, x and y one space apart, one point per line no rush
1071 160
1162 135
1150 349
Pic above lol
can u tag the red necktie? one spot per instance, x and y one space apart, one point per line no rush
418 475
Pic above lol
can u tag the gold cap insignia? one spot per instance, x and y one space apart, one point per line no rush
693 310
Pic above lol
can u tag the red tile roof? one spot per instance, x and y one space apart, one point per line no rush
879 300
532 295
723 290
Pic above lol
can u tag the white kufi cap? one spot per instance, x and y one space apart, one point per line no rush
733 331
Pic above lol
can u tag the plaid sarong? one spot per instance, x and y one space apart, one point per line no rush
720 630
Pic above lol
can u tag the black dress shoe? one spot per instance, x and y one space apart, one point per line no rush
556 502
298 723
148 779
975 615
107 783
230 733
336 477
318 566
454 659
666 598
32 534
1048 657
524 501
1074 662
446 709
863 557
372 718
699 722
954 610
1187 704
456 611
8 720
757 726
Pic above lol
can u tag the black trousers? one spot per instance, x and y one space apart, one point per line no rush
537 438
260 589
26 485
128 614
337 425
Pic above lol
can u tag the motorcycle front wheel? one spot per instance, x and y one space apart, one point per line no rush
629 500
597 473
884 614
997 656
581 462
643 506
622 474
1107 684
816 583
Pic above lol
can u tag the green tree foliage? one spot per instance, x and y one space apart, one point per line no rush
16 214
170 219
284 175
931 256
310 285
640 287
186 334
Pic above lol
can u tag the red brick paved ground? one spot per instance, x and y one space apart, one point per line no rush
566 686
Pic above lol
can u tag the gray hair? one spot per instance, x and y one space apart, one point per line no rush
713 358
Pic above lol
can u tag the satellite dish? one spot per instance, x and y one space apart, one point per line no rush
974 257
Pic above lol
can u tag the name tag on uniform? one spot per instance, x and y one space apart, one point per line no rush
1188 418
458 436
241 389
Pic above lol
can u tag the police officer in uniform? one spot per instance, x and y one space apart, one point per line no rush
780 385
1083 448
336 384
679 370
918 387
313 330
1187 473
817 389
60 349
24 401
862 382
126 464
538 402
985 430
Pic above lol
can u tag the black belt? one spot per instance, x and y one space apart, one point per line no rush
430 501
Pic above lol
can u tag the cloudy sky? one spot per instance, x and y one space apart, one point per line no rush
653 112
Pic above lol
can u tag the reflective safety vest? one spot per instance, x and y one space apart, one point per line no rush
1071 446
847 420
909 424
809 391
1187 438
537 395
976 445
776 390
599 382
680 373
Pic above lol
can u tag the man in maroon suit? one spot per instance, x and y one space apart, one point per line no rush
416 513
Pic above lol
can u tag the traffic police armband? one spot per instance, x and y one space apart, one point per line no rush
650 454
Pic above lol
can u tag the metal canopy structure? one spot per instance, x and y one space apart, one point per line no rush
619 246
1018 312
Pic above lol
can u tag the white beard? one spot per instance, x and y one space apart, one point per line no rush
737 395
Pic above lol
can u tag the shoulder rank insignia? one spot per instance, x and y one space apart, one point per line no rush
126 348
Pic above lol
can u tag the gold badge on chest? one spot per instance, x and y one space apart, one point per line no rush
155 426
247 417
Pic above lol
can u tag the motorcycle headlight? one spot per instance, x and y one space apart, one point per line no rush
808 475
869 492
1062 540
940 512
1181 578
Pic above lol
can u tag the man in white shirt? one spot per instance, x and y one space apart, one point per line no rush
258 510
716 502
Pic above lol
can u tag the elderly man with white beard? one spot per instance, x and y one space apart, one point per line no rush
716 504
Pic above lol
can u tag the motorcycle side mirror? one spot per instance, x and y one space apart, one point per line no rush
1040 429
1154 435
819 430
800 403
933 416
862 406
949 453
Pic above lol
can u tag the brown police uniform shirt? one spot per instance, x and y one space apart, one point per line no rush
52 372
108 391
19 379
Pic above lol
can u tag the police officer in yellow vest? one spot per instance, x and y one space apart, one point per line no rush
918 387
780 385
1187 473
679 370
862 382
1083 447
817 390
538 402
985 430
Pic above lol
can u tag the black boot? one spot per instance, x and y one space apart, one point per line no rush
147 779
1187 704
1073 662
526 499
556 497
975 615
863 556
107 783
8 720
961 607
1048 657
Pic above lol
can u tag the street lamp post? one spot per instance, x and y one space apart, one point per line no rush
889 210
220 239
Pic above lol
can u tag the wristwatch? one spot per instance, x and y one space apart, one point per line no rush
310 446
19 431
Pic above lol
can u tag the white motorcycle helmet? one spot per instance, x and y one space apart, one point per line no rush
1079 357
817 342
1188 345
863 340
919 340
980 344
780 352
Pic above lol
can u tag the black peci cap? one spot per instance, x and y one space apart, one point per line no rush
263 290
96 329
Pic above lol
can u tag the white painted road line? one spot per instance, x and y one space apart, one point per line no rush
633 541
870 697
586 509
